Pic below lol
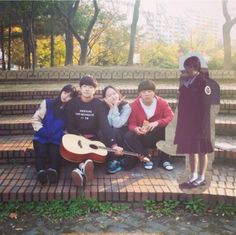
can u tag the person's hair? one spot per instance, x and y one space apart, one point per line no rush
113 88
116 90
193 62
88 80
146 85
57 103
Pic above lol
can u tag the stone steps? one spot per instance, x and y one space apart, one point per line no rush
167 92
12 107
21 124
19 148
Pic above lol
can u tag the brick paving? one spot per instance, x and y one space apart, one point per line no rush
18 182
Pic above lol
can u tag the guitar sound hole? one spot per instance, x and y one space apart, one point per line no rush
79 143
93 146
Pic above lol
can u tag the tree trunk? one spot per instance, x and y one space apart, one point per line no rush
9 45
227 46
227 26
33 43
25 33
52 44
69 47
133 32
2 48
83 52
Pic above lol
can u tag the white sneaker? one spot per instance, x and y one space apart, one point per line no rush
87 168
148 165
77 177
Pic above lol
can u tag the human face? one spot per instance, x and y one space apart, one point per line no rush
87 92
147 96
112 96
190 71
65 97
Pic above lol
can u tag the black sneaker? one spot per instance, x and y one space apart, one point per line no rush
42 177
52 176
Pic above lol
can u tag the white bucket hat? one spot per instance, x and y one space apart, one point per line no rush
190 54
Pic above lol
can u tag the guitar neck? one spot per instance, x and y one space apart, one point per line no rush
125 152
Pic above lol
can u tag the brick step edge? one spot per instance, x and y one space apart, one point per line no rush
18 109
129 93
223 129
28 156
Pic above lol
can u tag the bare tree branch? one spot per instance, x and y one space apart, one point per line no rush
73 9
225 11
92 21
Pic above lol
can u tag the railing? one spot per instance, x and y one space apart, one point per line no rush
113 73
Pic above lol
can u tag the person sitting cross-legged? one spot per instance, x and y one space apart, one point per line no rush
86 116
150 114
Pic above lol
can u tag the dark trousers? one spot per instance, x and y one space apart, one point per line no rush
46 153
141 143
127 161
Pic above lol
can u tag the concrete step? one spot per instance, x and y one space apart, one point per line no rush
19 148
165 92
21 124
12 107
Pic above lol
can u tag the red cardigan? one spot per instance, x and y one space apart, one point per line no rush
163 114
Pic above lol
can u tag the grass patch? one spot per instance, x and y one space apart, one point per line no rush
57 209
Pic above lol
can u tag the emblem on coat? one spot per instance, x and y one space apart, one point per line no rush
207 90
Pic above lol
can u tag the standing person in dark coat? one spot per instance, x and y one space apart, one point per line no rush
193 134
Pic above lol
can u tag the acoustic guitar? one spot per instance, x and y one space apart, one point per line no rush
75 148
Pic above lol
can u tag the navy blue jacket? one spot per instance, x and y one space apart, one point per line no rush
53 126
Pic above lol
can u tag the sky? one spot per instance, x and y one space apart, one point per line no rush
212 8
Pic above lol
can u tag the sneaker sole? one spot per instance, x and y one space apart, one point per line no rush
77 178
88 171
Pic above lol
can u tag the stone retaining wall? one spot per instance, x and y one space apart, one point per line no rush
114 73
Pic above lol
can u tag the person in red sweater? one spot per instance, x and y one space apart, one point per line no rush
150 114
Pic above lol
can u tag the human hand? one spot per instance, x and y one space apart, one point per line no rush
110 105
142 158
140 131
152 125
118 150
116 103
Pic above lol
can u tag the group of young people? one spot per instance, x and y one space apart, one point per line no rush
136 126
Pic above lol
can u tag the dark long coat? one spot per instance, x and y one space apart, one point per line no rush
193 133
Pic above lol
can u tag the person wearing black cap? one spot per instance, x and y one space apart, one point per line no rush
86 116
150 114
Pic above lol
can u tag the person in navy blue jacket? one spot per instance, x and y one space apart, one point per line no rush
49 124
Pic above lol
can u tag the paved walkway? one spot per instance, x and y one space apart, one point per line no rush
133 221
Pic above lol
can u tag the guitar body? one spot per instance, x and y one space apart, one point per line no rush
75 148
